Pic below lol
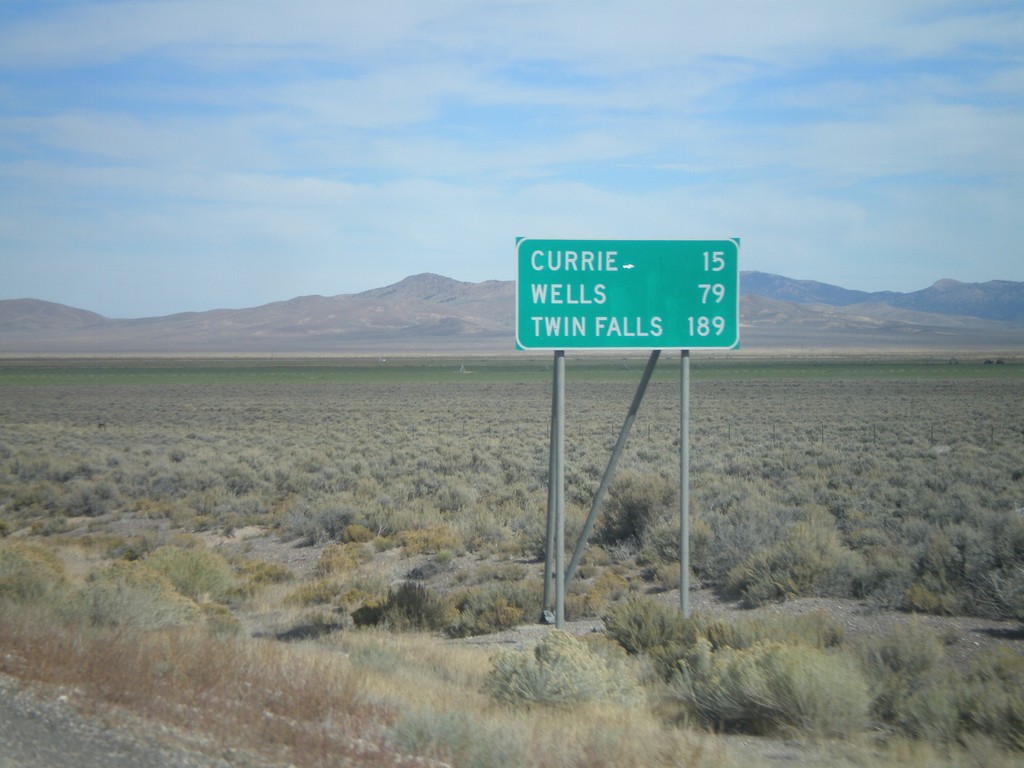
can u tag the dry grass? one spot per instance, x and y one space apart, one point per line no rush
375 698
900 490
366 698
905 489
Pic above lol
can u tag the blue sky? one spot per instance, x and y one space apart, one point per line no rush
167 156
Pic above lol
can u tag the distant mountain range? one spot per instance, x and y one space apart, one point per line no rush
994 300
429 313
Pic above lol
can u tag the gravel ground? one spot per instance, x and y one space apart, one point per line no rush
964 637
41 728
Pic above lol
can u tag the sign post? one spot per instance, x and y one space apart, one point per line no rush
684 483
621 295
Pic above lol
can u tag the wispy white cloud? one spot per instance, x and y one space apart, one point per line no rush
330 147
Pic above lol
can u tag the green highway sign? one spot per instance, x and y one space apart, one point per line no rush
627 294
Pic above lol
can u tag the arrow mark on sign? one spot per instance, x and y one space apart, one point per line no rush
628 266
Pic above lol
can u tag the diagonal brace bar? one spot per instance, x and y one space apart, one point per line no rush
613 461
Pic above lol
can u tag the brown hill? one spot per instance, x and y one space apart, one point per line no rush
429 314
993 300
21 315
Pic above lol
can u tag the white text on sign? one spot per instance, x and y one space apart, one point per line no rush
602 327
574 261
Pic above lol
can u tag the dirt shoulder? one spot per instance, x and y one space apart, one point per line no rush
42 727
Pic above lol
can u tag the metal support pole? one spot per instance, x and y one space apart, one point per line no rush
549 547
684 483
613 461
560 489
